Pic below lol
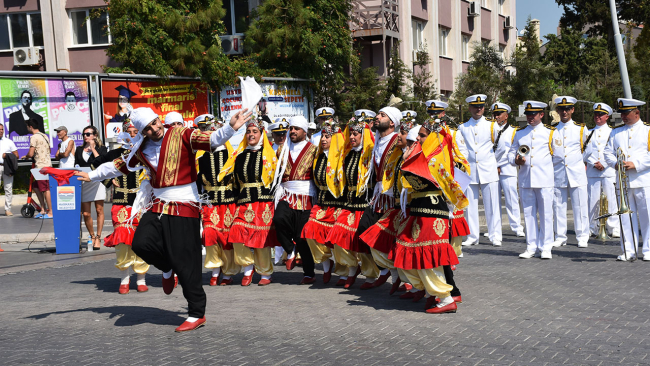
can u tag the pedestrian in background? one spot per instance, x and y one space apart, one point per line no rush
7 148
85 156
66 147
39 149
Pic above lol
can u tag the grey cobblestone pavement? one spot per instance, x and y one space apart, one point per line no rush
580 308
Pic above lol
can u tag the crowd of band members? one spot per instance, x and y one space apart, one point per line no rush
379 195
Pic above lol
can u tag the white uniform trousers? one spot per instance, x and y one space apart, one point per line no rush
639 202
490 192
594 188
538 201
579 203
509 186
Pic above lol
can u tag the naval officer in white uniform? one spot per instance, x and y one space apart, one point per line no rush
479 135
632 138
600 176
570 175
507 172
536 178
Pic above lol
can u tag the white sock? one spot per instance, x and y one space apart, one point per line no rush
352 271
167 275
394 275
327 264
141 279
191 319
370 280
248 270
216 272
383 272
344 277
414 290
291 255
226 277
126 276
446 301
266 277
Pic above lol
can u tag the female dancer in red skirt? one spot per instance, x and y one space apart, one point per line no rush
322 216
380 237
423 246
252 234
217 218
352 175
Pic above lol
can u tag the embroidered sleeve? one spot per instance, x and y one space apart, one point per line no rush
199 140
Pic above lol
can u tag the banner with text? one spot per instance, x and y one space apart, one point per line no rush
119 97
50 102
277 101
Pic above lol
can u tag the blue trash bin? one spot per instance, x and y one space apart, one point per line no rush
66 207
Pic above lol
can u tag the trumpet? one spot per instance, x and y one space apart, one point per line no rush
523 151
602 231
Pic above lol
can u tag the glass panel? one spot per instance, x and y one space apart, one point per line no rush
241 16
414 29
19 31
226 19
79 28
37 29
4 33
99 29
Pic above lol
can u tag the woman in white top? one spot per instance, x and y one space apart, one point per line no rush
66 147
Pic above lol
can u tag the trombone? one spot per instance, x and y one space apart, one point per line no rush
622 200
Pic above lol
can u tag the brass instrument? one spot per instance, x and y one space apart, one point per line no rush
622 200
523 151
604 205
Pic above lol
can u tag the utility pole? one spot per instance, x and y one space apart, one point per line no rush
620 53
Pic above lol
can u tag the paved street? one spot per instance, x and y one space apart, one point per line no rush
581 307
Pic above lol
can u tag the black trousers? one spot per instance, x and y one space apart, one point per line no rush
288 227
369 218
449 277
174 243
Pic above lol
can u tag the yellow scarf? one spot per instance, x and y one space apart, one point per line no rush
441 169
335 151
458 156
388 179
339 150
269 160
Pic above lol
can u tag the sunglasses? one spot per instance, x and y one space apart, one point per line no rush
565 109
599 114
496 114
88 134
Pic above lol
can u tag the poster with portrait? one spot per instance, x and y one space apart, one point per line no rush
50 102
277 101
120 97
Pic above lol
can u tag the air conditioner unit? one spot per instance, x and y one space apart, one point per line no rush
473 10
232 45
26 56
507 24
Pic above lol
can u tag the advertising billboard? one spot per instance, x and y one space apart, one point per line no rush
119 97
51 102
277 101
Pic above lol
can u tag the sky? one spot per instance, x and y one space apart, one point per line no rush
547 11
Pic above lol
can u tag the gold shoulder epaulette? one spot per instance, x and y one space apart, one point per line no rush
579 124
619 126
647 123
549 127
519 128
453 128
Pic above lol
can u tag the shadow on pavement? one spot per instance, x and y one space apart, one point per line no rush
127 315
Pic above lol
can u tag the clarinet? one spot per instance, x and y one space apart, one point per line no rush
496 141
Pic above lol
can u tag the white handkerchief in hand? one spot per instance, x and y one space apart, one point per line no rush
462 178
251 93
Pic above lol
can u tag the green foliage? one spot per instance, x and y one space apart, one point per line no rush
362 90
422 86
398 74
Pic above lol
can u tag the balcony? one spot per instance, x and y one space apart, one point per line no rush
375 19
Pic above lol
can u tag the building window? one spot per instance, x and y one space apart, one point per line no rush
20 30
485 3
418 34
443 34
465 48
236 21
89 30
500 4
502 51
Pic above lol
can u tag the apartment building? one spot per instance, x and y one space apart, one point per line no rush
447 29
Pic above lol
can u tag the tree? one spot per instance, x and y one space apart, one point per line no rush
484 76
172 37
398 74
422 86
307 39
